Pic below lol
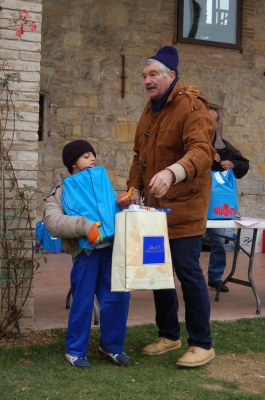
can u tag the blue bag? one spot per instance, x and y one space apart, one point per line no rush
45 241
223 201
91 195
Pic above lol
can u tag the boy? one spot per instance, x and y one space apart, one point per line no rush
91 272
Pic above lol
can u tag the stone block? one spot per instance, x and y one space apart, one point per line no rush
77 130
30 56
33 36
73 39
27 126
126 131
27 156
20 45
9 54
25 146
259 108
29 175
116 15
93 101
26 117
261 169
56 12
121 183
26 323
83 86
27 165
55 162
80 101
28 136
111 174
25 85
27 97
14 4
24 66
30 300
28 183
69 115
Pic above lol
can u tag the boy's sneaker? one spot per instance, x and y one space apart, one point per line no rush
77 361
118 359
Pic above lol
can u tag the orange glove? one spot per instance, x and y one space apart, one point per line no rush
125 198
94 236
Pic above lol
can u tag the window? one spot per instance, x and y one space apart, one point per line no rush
42 131
210 22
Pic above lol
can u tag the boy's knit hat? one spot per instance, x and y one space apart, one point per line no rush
168 55
73 150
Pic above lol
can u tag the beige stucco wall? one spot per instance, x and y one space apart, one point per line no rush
81 69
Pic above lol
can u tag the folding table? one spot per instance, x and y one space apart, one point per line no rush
240 223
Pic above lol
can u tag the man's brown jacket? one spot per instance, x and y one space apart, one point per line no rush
181 132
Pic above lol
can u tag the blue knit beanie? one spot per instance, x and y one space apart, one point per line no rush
168 56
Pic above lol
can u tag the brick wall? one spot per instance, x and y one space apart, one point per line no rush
23 56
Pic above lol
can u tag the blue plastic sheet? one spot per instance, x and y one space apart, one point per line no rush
45 241
90 194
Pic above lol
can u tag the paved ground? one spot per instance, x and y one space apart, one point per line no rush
52 285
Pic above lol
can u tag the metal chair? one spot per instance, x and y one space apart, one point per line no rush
96 307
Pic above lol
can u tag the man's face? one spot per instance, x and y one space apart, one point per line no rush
214 116
154 81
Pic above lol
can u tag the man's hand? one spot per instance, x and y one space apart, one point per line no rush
161 182
227 165
135 199
217 157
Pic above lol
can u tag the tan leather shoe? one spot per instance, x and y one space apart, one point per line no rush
195 357
161 345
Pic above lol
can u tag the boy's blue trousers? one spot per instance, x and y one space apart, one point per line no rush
91 275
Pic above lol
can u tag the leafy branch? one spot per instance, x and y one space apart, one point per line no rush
23 21
18 260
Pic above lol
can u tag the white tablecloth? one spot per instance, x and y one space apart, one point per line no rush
244 222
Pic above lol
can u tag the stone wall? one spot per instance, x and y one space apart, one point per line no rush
23 56
82 46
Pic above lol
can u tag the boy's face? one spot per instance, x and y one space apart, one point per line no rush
85 161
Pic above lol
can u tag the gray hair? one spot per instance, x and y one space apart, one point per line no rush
217 112
164 70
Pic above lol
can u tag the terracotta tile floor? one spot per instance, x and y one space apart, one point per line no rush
52 285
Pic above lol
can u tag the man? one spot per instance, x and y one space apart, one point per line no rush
227 157
172 162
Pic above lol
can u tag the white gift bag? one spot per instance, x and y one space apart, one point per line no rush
141 254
